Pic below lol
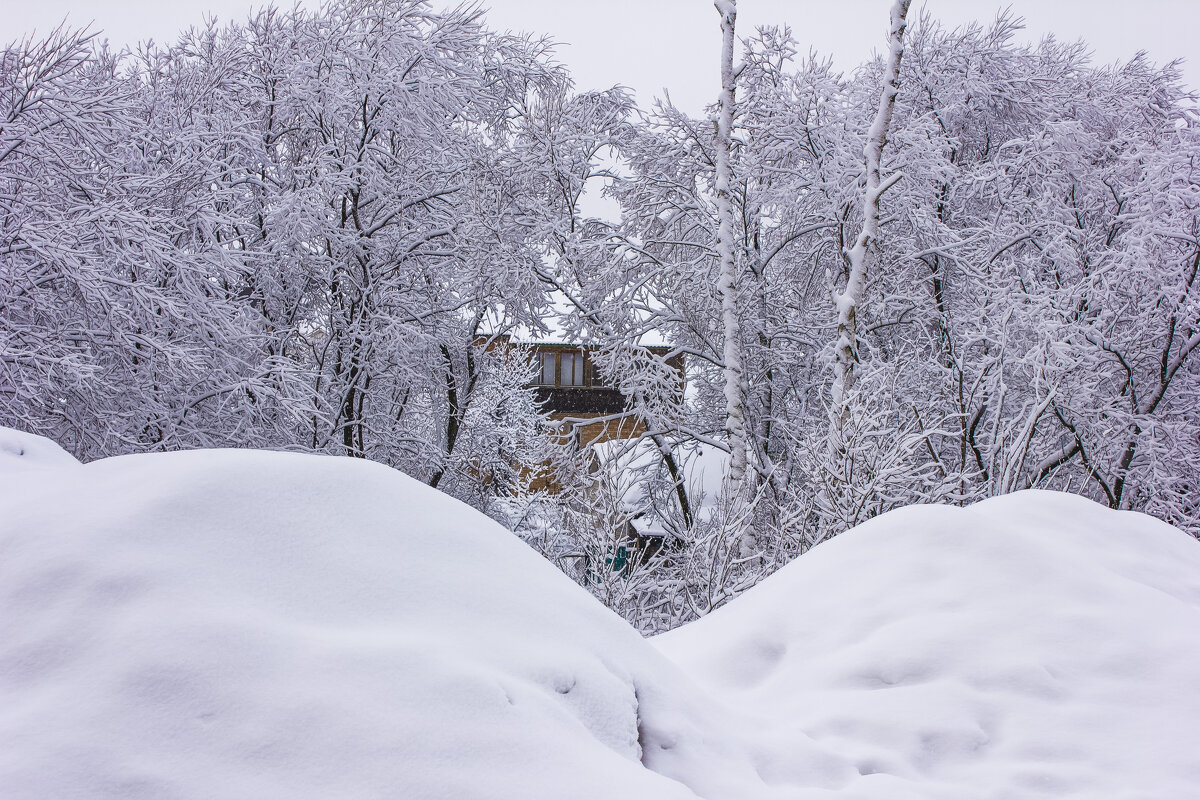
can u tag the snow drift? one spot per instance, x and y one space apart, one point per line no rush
21 451
230 624
1032 645
246 624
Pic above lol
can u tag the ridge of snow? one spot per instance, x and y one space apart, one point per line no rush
230 624
20 451
1031 645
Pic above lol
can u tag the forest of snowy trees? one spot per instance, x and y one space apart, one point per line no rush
303 232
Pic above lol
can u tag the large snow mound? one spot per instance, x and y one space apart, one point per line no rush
222 624
233 624
1033 645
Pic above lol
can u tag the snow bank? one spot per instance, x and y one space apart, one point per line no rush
1034 645
20 451
223 624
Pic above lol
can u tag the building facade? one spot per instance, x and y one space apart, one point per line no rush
570 386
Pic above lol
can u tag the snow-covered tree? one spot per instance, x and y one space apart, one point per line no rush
316 229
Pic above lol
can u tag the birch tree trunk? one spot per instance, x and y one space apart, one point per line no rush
846 353
735 403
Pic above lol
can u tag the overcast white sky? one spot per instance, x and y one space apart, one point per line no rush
651 44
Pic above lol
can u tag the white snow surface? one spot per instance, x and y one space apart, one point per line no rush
242 624
1033 645
20 451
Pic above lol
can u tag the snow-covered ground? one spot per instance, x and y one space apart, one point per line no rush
1033 645
239 624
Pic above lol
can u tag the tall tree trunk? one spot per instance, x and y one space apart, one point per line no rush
735 403
846 353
